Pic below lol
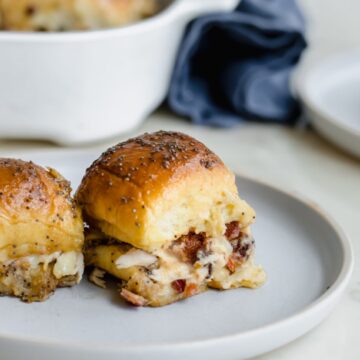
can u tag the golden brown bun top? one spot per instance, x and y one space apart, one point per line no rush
135 190
149 160
37 213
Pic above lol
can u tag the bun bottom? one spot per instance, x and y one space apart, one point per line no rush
35 278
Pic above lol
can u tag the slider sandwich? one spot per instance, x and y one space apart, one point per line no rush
41 232
164 217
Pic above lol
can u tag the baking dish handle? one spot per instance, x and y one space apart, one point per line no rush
194 8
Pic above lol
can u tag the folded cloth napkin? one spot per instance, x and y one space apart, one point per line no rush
236 66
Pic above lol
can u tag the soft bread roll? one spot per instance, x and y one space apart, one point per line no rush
35 206
151 190
41 231
61 15
165 218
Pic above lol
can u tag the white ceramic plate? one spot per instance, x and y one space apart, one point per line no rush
307 258
330 93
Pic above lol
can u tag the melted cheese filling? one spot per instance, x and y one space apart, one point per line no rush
69 263
166 267
66 264
135 257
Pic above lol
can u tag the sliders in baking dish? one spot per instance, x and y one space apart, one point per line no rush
164 217
41 232
65 15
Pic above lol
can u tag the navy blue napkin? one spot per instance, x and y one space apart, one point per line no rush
236 66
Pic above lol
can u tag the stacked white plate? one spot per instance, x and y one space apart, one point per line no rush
330 93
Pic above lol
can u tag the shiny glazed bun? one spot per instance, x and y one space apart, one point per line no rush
41 231
150 190
35 206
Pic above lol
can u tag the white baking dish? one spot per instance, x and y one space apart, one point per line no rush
79 87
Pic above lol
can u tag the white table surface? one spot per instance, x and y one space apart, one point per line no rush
297 160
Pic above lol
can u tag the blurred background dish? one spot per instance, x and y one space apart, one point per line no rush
78 87
330 92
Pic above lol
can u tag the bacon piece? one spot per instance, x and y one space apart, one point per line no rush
241 243
242 247
179 285
231 265
239 256
232 230
191 289
187 246
132 298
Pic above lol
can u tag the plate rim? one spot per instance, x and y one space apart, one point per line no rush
332 294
